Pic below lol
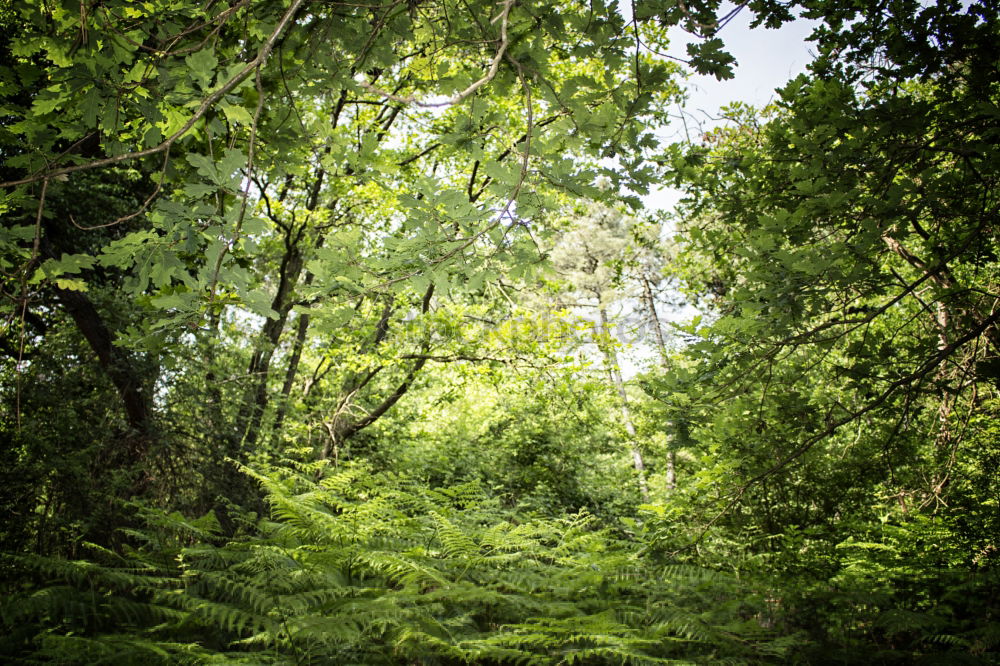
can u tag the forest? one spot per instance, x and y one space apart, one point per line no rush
342 332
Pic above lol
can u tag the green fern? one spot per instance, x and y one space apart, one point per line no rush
368 569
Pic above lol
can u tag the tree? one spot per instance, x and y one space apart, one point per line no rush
590 257
315 172
851 249
842 247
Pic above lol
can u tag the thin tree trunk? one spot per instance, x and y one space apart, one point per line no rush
255 401
665 361
302 327
120 368
614 369
651 306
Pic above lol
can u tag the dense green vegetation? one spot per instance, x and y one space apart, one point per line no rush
315 313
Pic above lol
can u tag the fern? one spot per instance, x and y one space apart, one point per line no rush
369 569
85 612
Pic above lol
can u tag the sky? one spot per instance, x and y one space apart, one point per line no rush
765 59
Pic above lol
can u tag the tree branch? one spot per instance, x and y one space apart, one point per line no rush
202 109
502 17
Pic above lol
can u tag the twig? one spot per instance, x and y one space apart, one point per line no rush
142 209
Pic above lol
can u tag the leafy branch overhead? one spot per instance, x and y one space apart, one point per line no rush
345 332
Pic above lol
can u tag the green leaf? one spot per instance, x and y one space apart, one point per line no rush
236 114
258 303
68 264
708 58
71 284
204 165
177 300
123 253
202 65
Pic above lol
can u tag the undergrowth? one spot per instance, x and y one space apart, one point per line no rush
373 569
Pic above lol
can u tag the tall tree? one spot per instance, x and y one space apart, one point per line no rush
589 258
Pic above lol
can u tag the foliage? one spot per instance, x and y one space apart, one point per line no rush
841 245
346 244
362 568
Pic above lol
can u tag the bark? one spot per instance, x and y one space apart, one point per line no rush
255 401
119 366
235 486
614 369
123 369
665 361
302 327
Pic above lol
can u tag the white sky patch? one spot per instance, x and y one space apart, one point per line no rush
766 59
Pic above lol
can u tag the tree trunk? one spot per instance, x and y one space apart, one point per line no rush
302 327
255 400
611 358
665 361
